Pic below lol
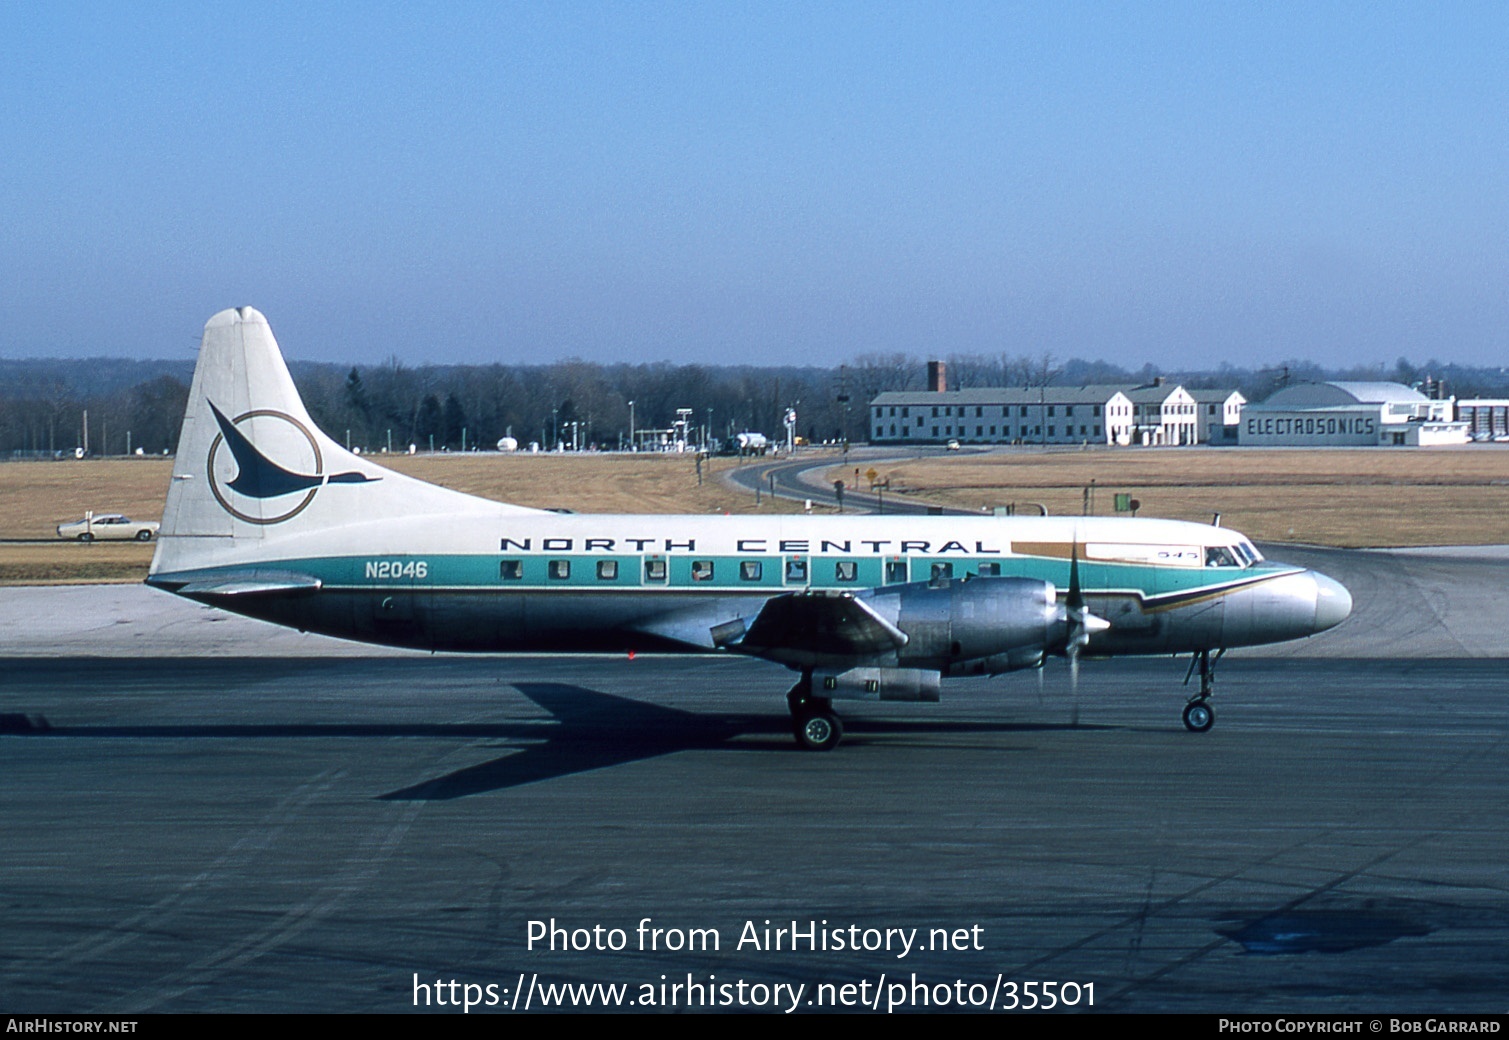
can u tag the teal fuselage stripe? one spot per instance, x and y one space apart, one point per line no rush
748 572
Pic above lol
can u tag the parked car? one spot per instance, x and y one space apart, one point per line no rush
109 526
951 446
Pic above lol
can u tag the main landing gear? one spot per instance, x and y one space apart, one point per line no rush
813 722
1198 714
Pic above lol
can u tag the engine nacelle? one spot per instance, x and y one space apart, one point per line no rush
980 626
877 684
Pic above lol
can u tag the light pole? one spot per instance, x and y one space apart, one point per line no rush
631 425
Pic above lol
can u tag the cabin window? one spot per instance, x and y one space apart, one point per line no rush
607 570
895 572
560 570
943 571
845 570
750 570
511 570
989 570
796 571
702 570
654 570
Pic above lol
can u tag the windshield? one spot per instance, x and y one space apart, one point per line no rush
1238 554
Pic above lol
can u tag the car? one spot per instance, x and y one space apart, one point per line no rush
951 446
109 526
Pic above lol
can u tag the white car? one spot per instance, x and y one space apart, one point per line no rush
951 446
109 526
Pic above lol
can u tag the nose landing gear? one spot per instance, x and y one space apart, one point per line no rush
1198 714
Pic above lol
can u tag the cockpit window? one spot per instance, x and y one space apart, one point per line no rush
1220 556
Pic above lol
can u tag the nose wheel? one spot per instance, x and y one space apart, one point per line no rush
1199 716
813 721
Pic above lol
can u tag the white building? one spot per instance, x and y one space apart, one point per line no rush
1487 418
1357 414
1218 415
1106 414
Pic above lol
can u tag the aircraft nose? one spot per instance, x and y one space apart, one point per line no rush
1333 603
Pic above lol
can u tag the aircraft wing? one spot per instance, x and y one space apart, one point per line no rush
797 628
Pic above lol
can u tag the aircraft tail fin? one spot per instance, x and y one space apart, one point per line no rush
253 467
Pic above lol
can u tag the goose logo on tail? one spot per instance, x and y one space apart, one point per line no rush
258 477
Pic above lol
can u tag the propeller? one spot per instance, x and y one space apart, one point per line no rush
1081 625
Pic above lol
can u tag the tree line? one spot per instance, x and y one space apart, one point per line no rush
139 404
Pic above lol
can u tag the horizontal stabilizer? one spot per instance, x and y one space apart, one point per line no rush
239 584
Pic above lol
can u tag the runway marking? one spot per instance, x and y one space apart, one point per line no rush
246 848
359 869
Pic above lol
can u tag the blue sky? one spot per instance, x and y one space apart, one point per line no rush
1181 184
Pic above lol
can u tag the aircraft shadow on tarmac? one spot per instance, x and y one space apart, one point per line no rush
588 730
598 730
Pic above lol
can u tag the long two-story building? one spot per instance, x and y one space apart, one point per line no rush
1153 414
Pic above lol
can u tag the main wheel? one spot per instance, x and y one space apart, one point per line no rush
143 536
86 537
819 731
1199 716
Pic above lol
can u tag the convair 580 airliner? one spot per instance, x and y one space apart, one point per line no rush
269 517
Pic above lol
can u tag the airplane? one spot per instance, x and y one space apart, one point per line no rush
269 517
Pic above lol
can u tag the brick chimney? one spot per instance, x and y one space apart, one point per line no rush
937 377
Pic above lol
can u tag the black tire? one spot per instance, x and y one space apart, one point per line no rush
1199 716
143 536
818 731
86 537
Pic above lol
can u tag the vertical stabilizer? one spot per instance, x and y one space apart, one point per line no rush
252 467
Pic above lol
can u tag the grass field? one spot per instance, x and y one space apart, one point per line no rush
37 496
1342 497
1339 497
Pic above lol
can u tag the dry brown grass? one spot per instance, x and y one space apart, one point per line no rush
1361 497
1341 497
36 496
